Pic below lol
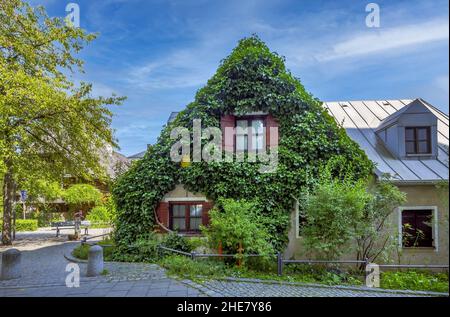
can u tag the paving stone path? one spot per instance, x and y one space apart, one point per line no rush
44 274
243 288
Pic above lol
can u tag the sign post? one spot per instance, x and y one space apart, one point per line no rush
23 198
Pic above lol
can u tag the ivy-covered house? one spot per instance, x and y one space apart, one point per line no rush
260 107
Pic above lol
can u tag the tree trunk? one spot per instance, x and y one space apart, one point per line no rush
8 199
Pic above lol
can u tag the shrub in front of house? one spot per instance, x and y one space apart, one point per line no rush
183 266
24 224
238 228
175 241
144 249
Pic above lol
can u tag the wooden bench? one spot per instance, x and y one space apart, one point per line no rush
58 226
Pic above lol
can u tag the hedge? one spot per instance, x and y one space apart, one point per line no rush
24 224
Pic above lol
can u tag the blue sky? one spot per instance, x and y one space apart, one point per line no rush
159 53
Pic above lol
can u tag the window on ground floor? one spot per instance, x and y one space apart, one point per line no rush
417 228
186 217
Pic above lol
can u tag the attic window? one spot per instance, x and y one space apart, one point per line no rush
250 134
418 140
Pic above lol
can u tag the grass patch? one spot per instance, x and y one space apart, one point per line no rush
81 252
214 268
201 269
414 280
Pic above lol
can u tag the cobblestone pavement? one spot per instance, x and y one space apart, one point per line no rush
44 274
243 288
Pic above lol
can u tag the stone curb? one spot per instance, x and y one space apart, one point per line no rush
69 257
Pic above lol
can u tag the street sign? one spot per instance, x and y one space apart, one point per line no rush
23 195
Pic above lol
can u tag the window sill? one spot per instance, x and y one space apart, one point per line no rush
420 248
429 155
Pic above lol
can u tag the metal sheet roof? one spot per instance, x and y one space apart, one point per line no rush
362 118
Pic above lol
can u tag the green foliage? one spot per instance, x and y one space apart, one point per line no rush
49 126
48 190
198 242
103 215
24 224
237 224
82 251
185 267
331 213
175 241
143 249
251 78
374 236
81 194
412 280
200 269
45 217
340 210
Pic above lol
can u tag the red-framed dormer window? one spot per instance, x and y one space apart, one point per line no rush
238 135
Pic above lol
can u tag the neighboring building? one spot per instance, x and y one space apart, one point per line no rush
139 155
406 139
114 164
136 156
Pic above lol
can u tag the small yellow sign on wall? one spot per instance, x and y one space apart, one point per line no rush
186 161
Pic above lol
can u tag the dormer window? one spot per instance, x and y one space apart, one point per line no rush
417 140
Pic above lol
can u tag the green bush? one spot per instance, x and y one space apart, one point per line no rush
412 280
82 251
24 224
331 212
45 218
100 216
185 267
198 242
80 194
237 224
144 249
175 241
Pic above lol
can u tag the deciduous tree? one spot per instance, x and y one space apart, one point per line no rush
48 126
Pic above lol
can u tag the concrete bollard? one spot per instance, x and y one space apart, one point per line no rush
11 264
95 261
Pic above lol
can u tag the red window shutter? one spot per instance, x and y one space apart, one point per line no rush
205 215
163 213
227 123
271 136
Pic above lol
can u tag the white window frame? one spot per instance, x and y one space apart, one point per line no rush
435 227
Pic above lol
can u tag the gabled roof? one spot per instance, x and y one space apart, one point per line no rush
417 106
362 119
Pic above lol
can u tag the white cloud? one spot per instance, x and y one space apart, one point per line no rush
388 39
